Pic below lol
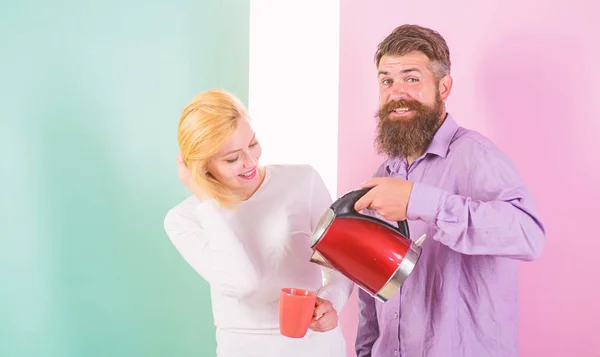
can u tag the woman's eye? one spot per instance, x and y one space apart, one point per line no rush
231 161
253 144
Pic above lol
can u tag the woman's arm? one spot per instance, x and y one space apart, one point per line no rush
207 243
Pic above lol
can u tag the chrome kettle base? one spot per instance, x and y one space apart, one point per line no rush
404 269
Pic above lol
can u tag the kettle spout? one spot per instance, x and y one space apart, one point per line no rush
320 259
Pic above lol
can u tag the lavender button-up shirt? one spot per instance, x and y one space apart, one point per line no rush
461 298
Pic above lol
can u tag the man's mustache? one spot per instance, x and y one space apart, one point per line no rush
390 106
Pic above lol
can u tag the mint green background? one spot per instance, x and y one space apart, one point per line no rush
90 96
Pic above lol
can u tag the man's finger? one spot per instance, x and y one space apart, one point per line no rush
371 182
364 202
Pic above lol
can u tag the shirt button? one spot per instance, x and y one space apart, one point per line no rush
395 315
395 352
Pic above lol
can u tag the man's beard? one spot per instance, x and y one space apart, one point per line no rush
407 137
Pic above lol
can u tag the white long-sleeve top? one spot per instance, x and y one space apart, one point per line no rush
250 253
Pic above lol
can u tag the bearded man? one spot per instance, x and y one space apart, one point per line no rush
464 193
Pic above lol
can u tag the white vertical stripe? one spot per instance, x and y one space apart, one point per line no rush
293 89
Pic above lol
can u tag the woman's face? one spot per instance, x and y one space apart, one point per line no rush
235 165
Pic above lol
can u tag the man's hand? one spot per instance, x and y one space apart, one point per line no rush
186 179
325 317
388 197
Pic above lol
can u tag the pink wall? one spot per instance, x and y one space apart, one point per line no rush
524 71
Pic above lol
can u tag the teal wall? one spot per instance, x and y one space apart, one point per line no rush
90 96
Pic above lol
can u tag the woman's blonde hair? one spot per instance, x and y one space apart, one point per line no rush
205 125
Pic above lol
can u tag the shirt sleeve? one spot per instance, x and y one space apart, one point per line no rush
208 244
496 218
336 287
368 327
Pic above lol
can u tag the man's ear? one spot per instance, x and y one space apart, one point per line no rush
445 86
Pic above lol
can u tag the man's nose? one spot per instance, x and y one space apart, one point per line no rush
399 92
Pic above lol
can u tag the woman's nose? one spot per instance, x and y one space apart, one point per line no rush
249 160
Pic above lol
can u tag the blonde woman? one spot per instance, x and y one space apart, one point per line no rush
246 230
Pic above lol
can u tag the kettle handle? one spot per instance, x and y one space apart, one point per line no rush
345 205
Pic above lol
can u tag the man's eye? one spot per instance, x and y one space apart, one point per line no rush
412 80
386 81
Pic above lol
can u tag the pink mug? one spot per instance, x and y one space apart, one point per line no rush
296 308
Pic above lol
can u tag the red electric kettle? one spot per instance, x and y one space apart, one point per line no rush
372 253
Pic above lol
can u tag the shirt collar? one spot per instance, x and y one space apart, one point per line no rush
440 144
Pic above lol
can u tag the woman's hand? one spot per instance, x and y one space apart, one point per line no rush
325 317
186 179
